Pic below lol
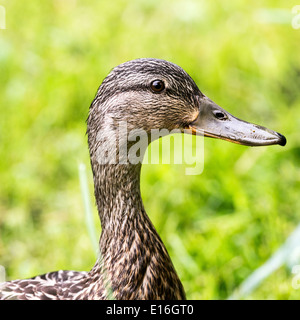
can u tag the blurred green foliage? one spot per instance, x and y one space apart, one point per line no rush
218 226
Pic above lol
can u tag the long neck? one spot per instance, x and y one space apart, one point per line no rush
117 192
138 264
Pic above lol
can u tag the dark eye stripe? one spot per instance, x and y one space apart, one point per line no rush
107 94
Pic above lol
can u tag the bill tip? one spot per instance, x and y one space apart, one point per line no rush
282 141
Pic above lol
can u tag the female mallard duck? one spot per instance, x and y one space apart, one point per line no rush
134 263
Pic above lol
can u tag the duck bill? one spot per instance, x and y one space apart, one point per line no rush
215 122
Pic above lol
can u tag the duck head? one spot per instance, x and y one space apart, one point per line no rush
155 94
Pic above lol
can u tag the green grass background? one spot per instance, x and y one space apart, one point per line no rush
219 226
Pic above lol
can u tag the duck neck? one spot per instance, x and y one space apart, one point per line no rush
132 251
117 192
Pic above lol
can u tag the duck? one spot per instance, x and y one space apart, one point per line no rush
133 263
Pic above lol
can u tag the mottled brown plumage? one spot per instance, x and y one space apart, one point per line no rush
133 262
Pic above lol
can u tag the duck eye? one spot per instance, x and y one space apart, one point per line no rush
157 85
